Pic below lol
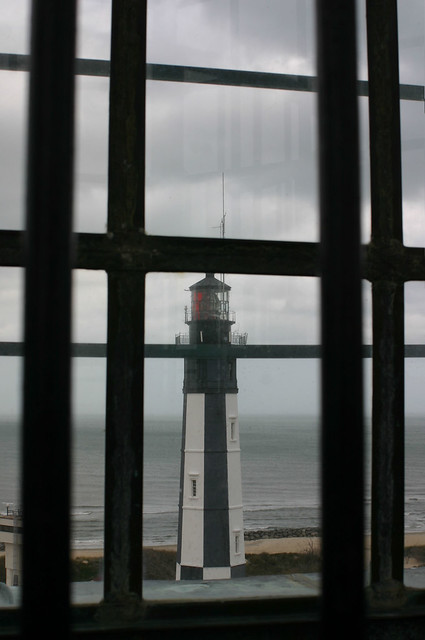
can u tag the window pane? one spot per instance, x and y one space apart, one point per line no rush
92 119
14 27
88 439
411 20
10 425
94 29
13 113
269 419
92 114
415 435
411 23
413 168
270 36
249 152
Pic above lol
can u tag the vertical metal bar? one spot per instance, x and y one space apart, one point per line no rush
342 401
387 295
124 404
387 560
46 406
124 438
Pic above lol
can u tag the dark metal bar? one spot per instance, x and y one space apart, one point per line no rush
342 402
46 407
387 297
388 435
208 75
163 253
124 441
295 351
124 403
384 121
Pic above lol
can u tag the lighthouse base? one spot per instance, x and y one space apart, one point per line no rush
209 573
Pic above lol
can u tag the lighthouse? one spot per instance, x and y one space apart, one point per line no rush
210 542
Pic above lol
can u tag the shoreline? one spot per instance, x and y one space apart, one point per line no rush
270 545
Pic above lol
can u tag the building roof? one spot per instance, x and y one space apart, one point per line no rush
210 282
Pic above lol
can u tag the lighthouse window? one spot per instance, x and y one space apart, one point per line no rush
194 487
237 542
232 430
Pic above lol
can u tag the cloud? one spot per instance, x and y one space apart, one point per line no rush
14 26
94 29
264 143
91 154
13 132
269 36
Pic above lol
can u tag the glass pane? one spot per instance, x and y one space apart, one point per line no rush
94 29
411 21
256 428
248 153
415 436
413 167
91 170
13 113
362 70
271 36
365 206
88 442
411 24
92 119
10 424
367 401
14 36
14 27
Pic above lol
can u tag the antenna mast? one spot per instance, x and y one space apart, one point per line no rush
223 219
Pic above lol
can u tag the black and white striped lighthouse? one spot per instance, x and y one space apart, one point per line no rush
210 532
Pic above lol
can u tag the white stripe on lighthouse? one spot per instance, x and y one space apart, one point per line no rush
236 531
192 545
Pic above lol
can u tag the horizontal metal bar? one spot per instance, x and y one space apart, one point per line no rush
132 251
207 75
295 351
163 253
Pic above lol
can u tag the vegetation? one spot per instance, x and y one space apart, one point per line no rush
161 565
86 569
415 553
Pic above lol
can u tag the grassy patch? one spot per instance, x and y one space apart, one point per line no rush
416 553
159 565
267 564
86 569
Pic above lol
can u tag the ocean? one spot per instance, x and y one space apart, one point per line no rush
280 475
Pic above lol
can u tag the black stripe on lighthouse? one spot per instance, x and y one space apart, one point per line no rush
216 491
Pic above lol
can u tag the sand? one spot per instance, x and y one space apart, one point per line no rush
270 545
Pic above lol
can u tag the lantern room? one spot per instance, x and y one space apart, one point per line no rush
209 300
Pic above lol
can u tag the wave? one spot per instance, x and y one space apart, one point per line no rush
89 543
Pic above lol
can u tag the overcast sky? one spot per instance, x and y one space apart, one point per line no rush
265 144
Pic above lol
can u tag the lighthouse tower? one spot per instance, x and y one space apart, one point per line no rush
210 533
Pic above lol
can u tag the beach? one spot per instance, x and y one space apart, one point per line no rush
274 546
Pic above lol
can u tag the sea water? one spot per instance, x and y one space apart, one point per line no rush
280 475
